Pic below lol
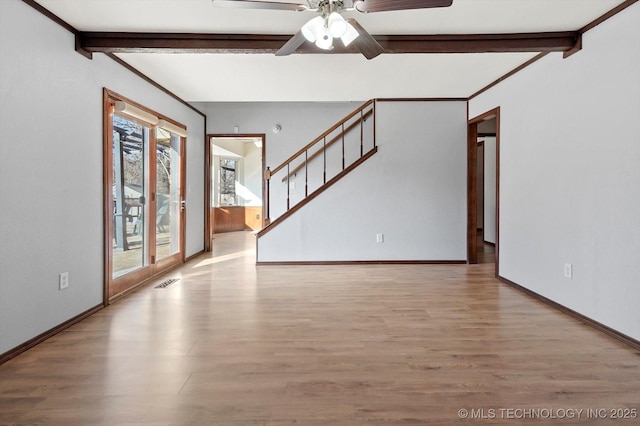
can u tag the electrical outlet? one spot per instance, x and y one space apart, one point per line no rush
379 238
568 270
63 280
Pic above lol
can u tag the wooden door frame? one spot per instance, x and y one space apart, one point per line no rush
480 206
169 261
116 288
208 184
472 171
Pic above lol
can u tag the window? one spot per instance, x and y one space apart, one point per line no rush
228 179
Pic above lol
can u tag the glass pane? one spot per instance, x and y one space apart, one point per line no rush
129 153
167 194
228 182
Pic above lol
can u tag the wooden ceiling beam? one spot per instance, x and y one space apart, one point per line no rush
126 42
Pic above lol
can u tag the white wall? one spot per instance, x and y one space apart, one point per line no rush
301 122
51 171
413 191
480 188
573 194
489 197
249 171
253 175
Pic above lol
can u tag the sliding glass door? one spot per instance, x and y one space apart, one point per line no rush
168 200
130 150
144 198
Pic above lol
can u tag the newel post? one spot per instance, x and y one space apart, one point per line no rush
267 178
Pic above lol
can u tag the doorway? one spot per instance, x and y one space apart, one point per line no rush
235 182
486 206
483 188
144 194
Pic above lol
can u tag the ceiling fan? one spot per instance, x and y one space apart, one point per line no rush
330 25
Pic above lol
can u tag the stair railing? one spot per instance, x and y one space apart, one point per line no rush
340 146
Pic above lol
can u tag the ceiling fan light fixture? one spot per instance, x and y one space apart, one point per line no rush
325 40
349 35
313 29
322 30
337 25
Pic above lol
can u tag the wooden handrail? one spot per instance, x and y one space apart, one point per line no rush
362 113
317 192
322 136
328 144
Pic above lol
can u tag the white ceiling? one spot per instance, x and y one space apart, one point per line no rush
325 77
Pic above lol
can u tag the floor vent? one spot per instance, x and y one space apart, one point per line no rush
166 283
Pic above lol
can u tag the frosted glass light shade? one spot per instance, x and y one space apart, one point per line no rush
313 28
350 34
325 40
337 25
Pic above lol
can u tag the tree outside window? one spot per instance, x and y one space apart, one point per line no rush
228 177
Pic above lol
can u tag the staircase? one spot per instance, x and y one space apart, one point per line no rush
320 164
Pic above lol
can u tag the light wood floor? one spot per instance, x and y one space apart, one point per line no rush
235 344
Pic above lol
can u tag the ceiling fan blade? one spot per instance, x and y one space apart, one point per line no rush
365 43
259 4
294 42
366 6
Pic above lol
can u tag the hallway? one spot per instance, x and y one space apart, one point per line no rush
230 343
